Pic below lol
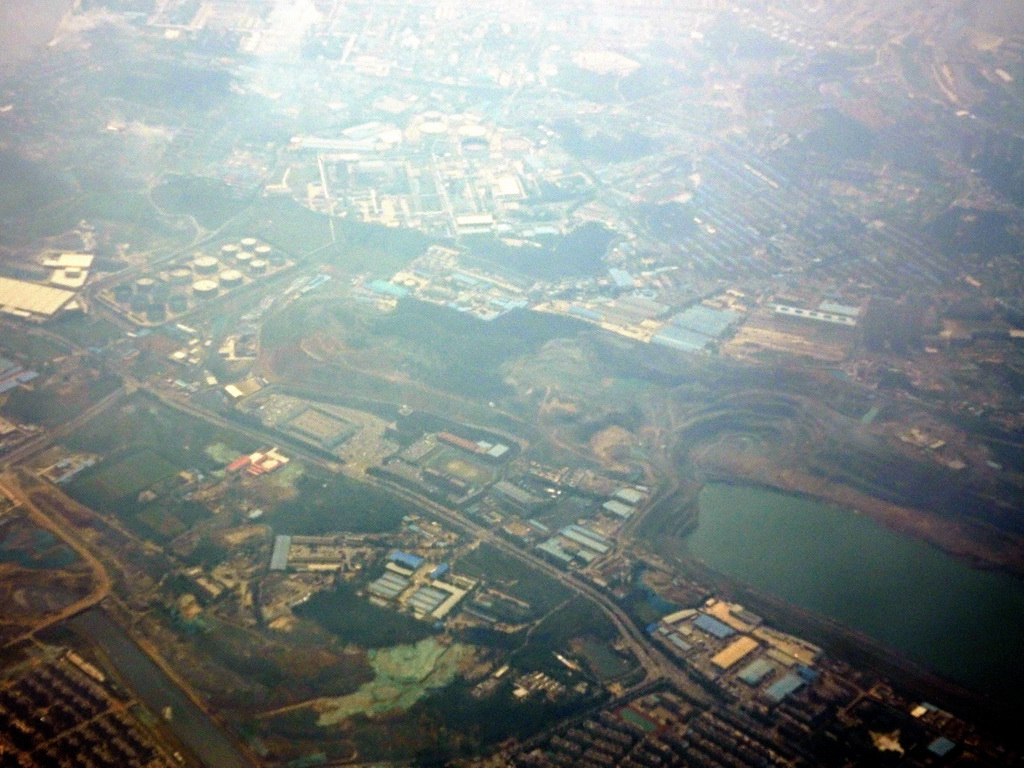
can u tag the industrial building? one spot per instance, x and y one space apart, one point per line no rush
776 692
32 301
516 495
411 583
734 652
586 538
479 447
193 279
553 550
694 329
836 318
756 671
259 463
631 496
721 637
389 586
279 557
617 508
404 558
13 374
713 627
70 270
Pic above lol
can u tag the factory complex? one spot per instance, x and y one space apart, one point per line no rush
34 301
187 282
426 590
731 647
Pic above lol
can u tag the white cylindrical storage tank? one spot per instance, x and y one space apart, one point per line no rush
229 250
230 277
249 242
258 266
263 251
145 284
179 276
244 257
472 131
204 289
206 265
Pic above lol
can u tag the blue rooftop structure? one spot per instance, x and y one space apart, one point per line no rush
756 671
621 278
681 338
388 586
589 534
839 309
705 320
279 557
583 312
580 538
388 289
780 690
713 626
679 643
552 548
618 508
413 561
941 746
806 673
440 571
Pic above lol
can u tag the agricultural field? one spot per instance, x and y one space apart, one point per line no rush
130 475
153 458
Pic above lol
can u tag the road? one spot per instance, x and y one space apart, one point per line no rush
11 486
36 444
656 665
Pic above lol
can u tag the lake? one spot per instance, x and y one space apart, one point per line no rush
962 623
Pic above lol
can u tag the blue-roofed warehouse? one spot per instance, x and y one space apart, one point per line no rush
440 571
279 557
941 746
413 561
681 338
388 289
705 320
713 627
679 643
553 550
573 533
756 671
621 278
780 690
389 586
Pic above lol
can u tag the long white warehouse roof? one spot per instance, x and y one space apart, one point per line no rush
32 297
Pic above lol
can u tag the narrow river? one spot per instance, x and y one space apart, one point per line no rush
962 623
195 730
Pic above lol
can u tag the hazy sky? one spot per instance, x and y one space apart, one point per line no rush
26 24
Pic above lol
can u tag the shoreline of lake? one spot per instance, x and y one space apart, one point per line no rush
938 611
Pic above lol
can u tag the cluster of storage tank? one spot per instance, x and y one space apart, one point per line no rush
205 276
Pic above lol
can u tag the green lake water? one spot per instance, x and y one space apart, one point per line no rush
963 623
403 674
